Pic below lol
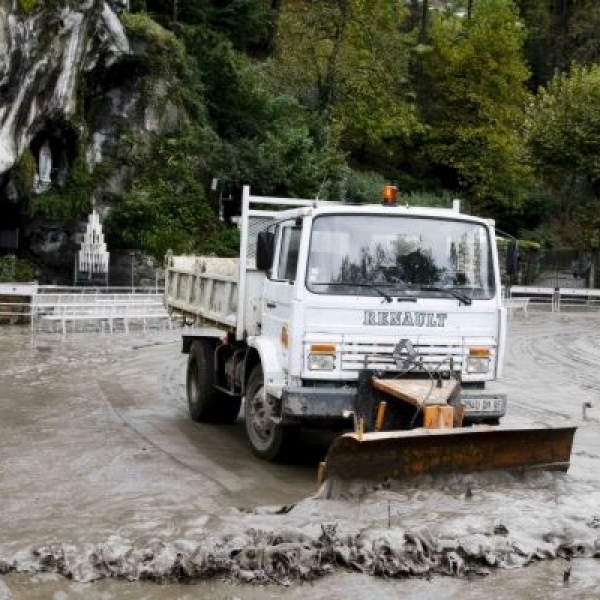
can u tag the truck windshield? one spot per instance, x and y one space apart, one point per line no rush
405 256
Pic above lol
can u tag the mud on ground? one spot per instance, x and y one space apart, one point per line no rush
106 481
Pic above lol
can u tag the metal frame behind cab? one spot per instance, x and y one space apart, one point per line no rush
249 204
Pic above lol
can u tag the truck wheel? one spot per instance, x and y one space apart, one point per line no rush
267 439
207 404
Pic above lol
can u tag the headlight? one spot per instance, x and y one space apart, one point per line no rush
321 362
478 364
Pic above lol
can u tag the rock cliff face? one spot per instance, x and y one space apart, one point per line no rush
43 55
69 92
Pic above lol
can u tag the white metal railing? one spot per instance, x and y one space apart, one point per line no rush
537 297
577 299
105 313
556 299
69 289
15 302
30 302
102 308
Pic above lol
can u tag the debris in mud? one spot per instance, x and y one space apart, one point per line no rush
567 573
594 523
292 555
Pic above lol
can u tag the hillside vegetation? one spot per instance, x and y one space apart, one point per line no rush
493 101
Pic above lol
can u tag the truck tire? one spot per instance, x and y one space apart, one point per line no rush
267 440
207 404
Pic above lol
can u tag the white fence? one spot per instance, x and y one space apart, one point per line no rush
80 308
103 311
112 308
15 302
541 298
559 299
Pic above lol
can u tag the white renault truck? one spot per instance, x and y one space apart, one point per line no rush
324 297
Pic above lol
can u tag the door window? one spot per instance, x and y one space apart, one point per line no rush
287 262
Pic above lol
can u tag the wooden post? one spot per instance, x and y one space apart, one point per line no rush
438 417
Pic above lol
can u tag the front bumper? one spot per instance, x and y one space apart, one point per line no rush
316 403
299 403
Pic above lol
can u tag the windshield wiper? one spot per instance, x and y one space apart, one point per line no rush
371 286
454 293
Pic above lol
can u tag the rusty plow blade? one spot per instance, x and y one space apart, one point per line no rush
398 454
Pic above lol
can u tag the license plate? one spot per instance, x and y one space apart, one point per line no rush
483 405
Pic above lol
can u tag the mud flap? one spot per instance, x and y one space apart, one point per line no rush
378 456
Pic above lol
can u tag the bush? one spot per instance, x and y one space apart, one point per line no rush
74 201
168 208
364 186
161 41
15 269
28 6
23 174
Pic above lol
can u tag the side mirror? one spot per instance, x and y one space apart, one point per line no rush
265 245
512 261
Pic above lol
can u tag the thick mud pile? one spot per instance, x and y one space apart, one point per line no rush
292 555
429 528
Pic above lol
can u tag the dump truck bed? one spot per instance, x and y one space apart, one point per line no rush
203 289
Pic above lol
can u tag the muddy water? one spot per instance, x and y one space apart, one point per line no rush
100 468
544 580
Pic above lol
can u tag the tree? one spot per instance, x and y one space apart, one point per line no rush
476 102
167 207
246 23
564 141
347 60
558 33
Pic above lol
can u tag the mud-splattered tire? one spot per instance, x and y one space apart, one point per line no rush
207 404
268 440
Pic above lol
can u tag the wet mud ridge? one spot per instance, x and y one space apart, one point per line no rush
292 555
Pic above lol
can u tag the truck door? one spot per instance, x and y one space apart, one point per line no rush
279 287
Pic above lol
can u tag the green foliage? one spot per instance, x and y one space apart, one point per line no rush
284 159
477 88
237 102
266 139
247 24
584 227
137 6
559 33
28 6
15 269
363 186
162 42
347 60
435 101
167 208
564 128
584 42
564 140
23 174
74 200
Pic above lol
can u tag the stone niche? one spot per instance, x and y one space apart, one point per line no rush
54 149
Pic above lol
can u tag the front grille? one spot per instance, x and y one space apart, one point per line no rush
360 355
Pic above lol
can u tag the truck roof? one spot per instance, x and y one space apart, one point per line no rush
324 207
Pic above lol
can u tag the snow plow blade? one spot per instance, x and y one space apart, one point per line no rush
398 454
